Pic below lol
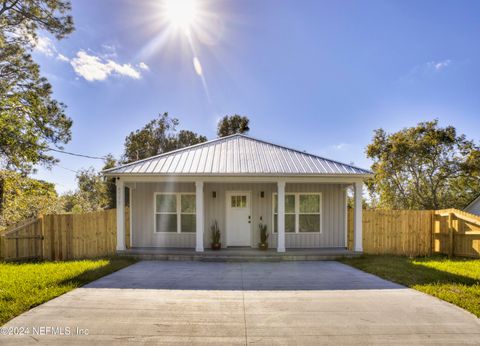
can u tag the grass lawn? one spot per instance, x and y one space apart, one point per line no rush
456 281
25 285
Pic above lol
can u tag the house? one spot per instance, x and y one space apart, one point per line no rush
240 182
474 206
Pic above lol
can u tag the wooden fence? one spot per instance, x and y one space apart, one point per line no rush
456 233
398 232
418 232
23 240
64 236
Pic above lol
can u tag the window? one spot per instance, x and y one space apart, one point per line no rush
166 213
309 213
238 201
289 213
302 212
175 212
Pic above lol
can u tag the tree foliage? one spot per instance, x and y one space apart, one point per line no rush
24 197
30 119
94 191
424 167
230 125
157 137
91 195
110 186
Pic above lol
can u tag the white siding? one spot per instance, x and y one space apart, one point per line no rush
333 214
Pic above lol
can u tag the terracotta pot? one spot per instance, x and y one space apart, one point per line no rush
216 246
263 246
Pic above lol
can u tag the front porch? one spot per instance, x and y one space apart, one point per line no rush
237 254
306 213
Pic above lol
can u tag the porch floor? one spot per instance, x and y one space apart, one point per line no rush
237 254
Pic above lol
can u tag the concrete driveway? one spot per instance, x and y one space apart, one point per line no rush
246 303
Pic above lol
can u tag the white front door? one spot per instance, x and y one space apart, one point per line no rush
238 218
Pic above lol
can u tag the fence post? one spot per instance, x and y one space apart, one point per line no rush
450 235
41 237
432 233
2 247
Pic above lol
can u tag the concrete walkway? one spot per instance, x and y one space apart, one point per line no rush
246 303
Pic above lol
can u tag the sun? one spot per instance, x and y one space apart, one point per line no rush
181 14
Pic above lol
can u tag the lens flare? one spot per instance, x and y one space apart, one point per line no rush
181 14
197 66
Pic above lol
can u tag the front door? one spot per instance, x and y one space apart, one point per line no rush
238 218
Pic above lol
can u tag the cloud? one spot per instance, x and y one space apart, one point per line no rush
438 65
426 70
144 66
62 57
45 46
109 51
90 66
340 146
94 68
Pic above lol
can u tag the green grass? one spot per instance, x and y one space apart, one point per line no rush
26 285
456 281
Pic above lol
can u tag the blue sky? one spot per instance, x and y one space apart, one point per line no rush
318 76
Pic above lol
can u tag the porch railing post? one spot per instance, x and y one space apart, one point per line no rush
120 215
357 230
281 216
199 215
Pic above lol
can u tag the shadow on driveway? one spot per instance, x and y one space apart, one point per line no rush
288 276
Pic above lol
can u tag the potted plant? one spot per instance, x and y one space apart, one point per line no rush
263 245
216 245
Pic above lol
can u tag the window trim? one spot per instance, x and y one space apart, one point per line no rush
178 212
297 212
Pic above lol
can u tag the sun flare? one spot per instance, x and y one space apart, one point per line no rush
181 14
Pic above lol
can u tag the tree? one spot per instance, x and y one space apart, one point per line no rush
230 125
186 138
30 119
74 202
22 197
424 167
92 193
157 137
111 188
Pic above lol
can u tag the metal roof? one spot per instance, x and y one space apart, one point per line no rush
236 155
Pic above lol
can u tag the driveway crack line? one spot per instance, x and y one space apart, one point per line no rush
243 300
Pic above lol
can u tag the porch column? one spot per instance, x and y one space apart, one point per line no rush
281 216
120 215
199 215
357 218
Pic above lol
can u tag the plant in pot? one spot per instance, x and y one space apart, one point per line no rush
263 245
216 245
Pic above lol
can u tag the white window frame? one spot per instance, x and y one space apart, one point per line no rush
178 196
297 211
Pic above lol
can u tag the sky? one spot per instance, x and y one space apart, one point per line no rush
318 76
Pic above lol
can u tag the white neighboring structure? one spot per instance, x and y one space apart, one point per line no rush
239 182
474 206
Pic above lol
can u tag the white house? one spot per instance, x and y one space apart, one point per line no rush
239 182
474 206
